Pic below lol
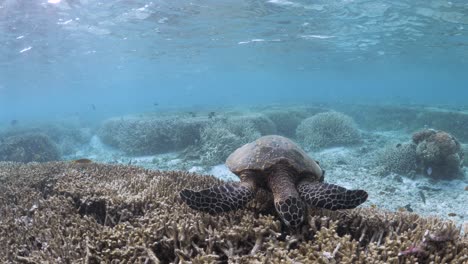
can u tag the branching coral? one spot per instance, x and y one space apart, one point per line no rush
327 129
439 154
224 135
147 223
399 158
27 147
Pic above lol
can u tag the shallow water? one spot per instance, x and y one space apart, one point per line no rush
95 76
59 59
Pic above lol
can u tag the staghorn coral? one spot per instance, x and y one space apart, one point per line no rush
148 224
27 147
438 154
400 158
327 129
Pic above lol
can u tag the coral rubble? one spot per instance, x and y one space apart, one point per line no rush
93 213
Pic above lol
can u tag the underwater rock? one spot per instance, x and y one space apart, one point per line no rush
107 214
438 154
326 130
28 147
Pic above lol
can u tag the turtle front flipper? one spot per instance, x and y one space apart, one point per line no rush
218 199
330 196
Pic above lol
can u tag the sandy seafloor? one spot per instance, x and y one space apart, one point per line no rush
352 167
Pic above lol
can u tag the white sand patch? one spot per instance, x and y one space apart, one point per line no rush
223 173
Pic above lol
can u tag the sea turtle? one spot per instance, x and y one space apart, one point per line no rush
276 164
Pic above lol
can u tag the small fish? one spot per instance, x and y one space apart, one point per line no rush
452 214
429 171
93 106
192 114
14 122
406 208
82 161
211 115
398 145
423 197
155 103
373 206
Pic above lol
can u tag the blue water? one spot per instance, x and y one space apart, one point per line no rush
57 59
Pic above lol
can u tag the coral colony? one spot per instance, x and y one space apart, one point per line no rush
82 210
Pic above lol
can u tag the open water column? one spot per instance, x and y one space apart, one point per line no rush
220 131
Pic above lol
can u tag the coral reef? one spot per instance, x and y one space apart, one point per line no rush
439 154
326 130
286 120
94 213
147 135
259 122
397 158
383 117
408 118
28 147
223 135
68 137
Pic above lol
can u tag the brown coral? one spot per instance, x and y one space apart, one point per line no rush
438 154
94 213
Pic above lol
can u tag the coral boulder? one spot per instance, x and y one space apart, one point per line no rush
326 130
438 153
